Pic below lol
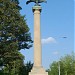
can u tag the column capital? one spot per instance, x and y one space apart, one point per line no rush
36 8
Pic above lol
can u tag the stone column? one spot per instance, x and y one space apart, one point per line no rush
37 37
37 68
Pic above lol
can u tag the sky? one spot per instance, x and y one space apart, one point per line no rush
57 21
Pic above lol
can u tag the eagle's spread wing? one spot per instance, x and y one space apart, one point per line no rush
36 1
30 1
27 2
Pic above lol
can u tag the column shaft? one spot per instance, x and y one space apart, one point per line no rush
37 39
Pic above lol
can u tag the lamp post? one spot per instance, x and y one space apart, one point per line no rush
66 72
59 67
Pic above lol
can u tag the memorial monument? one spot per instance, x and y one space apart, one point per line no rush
37 68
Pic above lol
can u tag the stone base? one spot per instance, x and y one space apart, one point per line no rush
38 71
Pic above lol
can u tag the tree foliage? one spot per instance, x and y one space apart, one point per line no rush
25 69
14 35
14 31
67 66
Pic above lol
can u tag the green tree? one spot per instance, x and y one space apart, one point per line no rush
25 69
12 64
53 68
67 66
14 33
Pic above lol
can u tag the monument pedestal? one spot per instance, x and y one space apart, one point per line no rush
38 71
37 68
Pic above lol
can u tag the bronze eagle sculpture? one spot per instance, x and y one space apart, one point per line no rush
36 1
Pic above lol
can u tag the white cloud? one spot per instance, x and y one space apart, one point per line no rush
56 53
48 40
